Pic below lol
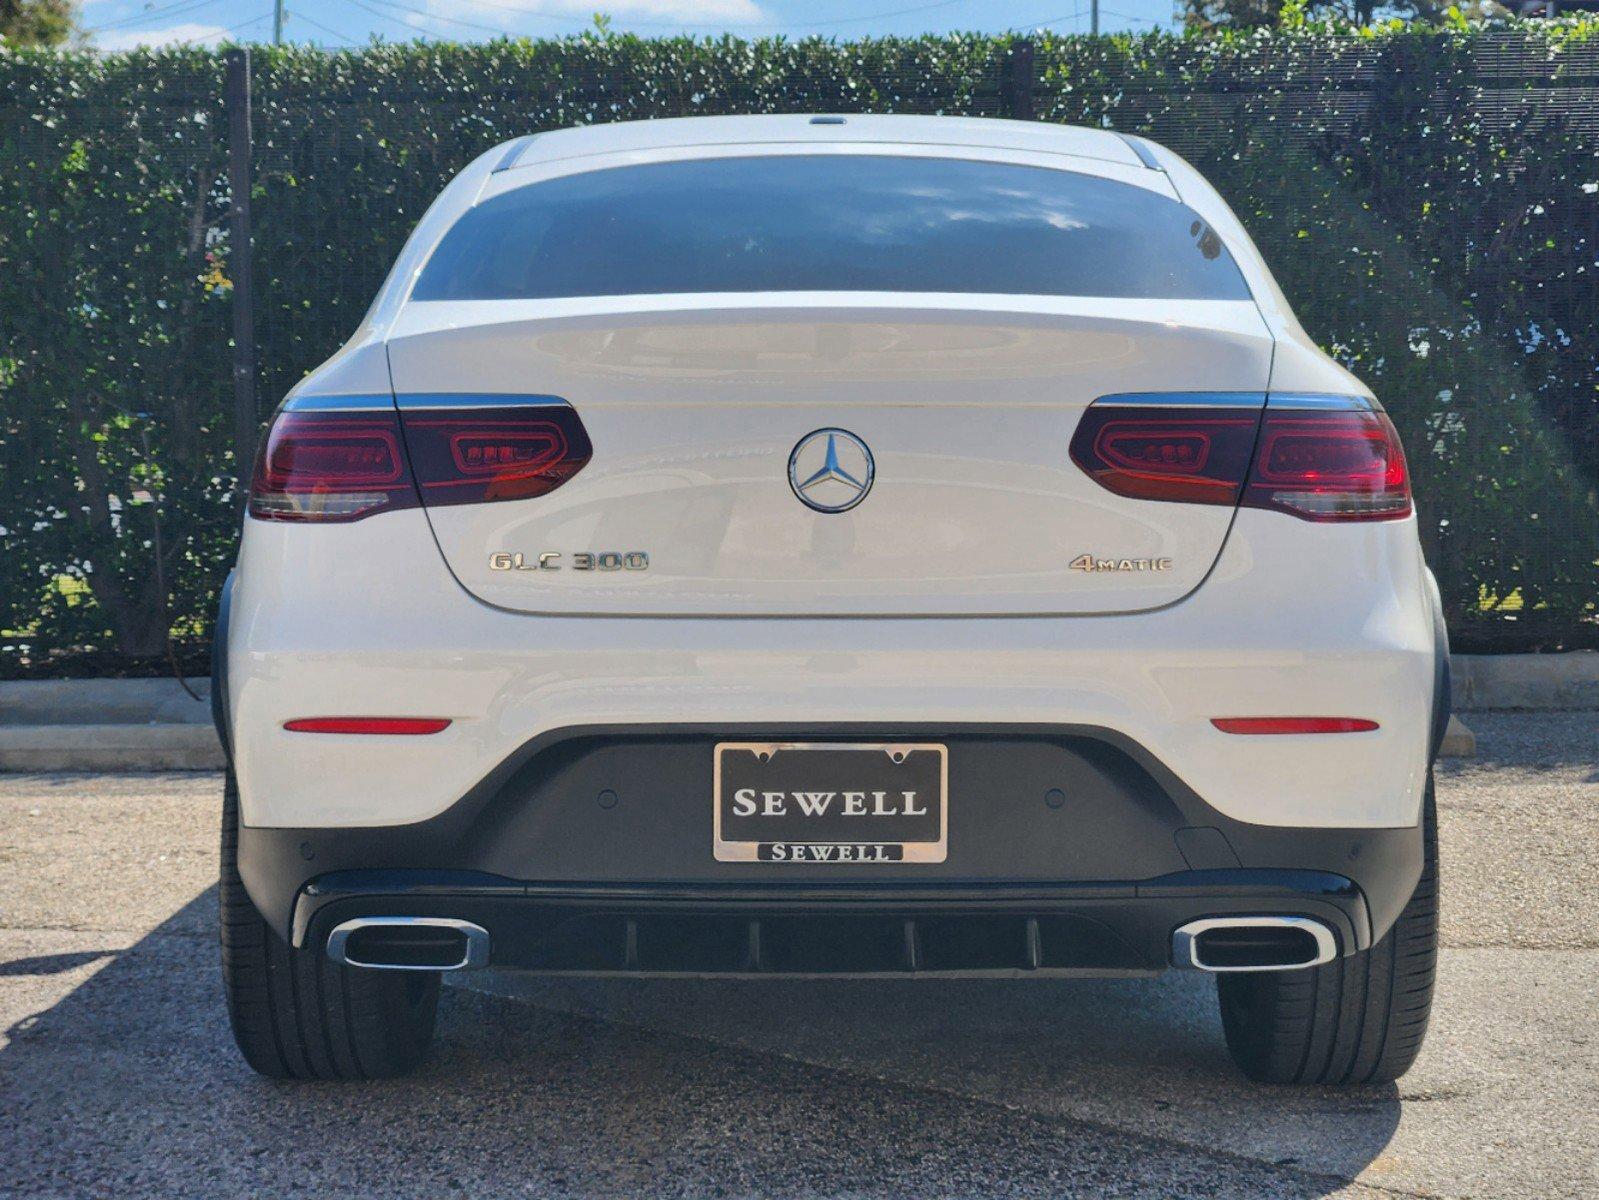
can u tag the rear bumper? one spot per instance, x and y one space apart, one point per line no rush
1070 849
322 625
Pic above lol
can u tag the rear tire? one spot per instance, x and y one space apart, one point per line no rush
295 1013
1356 1020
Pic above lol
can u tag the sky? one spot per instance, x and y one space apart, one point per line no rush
120 24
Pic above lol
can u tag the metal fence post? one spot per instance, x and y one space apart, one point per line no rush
1021 79
246 421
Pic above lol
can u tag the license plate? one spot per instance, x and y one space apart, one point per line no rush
831 802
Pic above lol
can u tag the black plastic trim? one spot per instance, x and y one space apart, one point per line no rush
219 668
1442 683
1118 928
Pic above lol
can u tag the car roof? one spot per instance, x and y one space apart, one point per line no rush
820 129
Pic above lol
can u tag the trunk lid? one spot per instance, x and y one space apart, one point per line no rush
695 404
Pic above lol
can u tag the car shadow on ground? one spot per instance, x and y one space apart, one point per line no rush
129 1084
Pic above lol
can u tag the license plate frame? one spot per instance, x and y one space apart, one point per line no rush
735 840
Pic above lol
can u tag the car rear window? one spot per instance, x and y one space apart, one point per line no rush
830 222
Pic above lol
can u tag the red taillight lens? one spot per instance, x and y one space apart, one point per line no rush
471 455
1333 465
342 466
1195 455
327 466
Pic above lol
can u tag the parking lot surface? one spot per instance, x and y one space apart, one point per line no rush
118 1076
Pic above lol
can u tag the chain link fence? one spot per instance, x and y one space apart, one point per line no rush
1429 201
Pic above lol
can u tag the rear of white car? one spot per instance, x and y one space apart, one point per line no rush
865 545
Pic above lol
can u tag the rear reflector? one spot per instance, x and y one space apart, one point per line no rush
384 725
1269 725
1330 463
342 466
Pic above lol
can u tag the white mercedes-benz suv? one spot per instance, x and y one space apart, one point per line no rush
816 546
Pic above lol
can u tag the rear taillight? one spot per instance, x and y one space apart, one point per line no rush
470 455
342 466
1196 455
1330 465
1330 461
331 466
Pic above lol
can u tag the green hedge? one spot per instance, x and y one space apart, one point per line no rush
1428 200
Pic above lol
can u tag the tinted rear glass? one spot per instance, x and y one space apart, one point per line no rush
830 223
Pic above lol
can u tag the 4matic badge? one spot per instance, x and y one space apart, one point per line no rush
1091 564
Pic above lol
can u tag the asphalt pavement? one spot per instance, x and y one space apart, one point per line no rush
118 1077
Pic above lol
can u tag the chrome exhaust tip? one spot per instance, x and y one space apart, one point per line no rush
1253 944
409 944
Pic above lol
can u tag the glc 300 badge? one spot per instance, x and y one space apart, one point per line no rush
1089 563
550 560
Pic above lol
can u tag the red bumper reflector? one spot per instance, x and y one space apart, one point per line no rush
389 725
1293 724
